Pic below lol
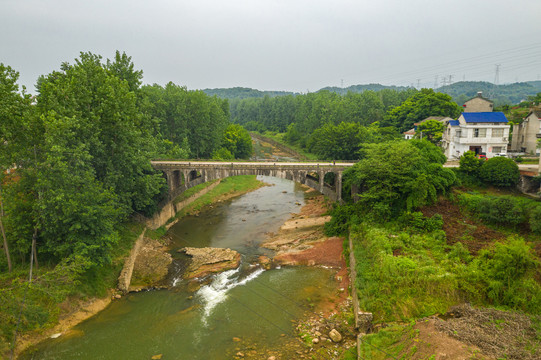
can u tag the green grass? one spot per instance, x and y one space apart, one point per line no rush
395 340
228 186
192 191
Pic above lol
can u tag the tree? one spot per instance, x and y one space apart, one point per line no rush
340 142
107 121
237 141
500 171
469 163
17 135
420 106
432 130
398 176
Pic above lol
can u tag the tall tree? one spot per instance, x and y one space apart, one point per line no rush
420 106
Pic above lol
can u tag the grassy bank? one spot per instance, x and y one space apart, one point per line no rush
56 290
228 188
419 266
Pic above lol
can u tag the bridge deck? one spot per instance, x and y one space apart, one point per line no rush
250 165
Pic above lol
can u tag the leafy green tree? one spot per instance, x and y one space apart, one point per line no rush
500 171
237 141
107 121
398 176
469 163
420 106
340 142
432 130
77 215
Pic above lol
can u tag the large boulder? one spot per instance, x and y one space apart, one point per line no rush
206 261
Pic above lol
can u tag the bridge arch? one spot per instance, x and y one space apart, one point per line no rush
183 175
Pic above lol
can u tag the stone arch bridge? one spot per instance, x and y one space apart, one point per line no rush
182 175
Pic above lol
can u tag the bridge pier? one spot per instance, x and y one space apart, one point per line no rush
182 175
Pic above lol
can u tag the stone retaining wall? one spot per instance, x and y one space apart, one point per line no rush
363 320
124 279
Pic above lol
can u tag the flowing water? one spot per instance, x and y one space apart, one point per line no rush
248 303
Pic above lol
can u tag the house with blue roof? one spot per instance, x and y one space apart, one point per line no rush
481 132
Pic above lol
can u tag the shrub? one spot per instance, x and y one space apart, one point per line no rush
535 219
469 163
500 171
418 221
502 210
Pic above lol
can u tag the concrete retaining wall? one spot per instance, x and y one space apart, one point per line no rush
124 279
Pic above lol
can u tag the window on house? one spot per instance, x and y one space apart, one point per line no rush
497 149
479 133
497 132
458 133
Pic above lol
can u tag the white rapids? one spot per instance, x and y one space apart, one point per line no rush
216 292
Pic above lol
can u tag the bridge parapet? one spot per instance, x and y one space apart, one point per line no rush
181 175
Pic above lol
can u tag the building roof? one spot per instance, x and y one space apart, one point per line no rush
409 132
484 117
454 122
537 113
479 96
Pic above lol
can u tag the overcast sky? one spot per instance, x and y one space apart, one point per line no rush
295 45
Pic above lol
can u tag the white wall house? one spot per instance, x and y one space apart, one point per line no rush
525 135
480 132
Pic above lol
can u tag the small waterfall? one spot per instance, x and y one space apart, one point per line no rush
216 292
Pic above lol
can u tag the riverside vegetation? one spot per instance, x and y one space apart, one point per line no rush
75 167
423 247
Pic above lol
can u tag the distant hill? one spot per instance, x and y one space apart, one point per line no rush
361 88
501 94
244 93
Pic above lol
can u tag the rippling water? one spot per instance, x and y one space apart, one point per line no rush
248 303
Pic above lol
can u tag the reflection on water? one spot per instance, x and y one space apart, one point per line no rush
248 303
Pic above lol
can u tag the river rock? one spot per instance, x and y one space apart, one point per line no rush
206 261
315 340
151 266
265 262
335 336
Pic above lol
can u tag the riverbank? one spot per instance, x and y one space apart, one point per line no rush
74 311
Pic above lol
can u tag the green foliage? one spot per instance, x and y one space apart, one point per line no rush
418 222
399 176
342 217
462 91
237 141
502 274
340 142
222 154
182 115
506 211
420 106
301 115
432 130
500 171
535 219
469 163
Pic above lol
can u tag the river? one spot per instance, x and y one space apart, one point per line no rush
247 310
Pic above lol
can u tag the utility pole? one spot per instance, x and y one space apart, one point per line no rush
418 83
435 82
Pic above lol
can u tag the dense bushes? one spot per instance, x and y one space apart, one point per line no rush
508 211
399 176
498 171
404 275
